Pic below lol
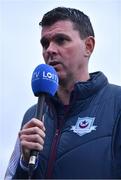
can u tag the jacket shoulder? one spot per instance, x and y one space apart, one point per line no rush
114 94
115 88
114 91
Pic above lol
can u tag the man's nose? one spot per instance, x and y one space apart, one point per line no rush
51 49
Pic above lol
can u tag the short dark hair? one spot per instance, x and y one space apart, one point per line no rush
80 21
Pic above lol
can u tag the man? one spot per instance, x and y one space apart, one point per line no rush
81 133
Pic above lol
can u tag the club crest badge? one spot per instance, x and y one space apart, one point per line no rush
84 126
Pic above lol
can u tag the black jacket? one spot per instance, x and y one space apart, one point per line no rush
83 140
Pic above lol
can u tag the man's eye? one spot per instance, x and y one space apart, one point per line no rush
45 44
60 40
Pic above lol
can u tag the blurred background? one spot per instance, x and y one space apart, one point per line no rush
20 53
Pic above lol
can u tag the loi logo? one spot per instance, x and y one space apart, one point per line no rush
50 76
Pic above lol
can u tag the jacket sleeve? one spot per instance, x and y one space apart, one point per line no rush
14 170
13 162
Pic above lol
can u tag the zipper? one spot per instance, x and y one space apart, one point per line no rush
53 154
58 124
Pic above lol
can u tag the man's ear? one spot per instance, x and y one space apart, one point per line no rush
89 45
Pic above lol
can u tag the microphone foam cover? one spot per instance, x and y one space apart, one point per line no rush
44 80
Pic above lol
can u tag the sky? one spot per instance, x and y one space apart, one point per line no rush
20 53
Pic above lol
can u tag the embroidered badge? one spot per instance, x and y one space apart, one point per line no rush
84 126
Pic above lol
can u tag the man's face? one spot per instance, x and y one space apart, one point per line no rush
64 50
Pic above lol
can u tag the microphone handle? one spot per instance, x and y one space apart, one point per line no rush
38 115
40 106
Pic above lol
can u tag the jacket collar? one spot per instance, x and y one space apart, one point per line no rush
84 90
81 96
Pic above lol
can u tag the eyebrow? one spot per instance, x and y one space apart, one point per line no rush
43 39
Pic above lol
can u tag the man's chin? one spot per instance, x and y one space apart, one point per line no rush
62 79
58 68
60 75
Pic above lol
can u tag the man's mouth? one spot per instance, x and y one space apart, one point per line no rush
54 63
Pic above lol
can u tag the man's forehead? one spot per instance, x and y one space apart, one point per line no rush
61 25
54 36
63 28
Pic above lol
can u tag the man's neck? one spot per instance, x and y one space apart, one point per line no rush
64 94
65 99
65 89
